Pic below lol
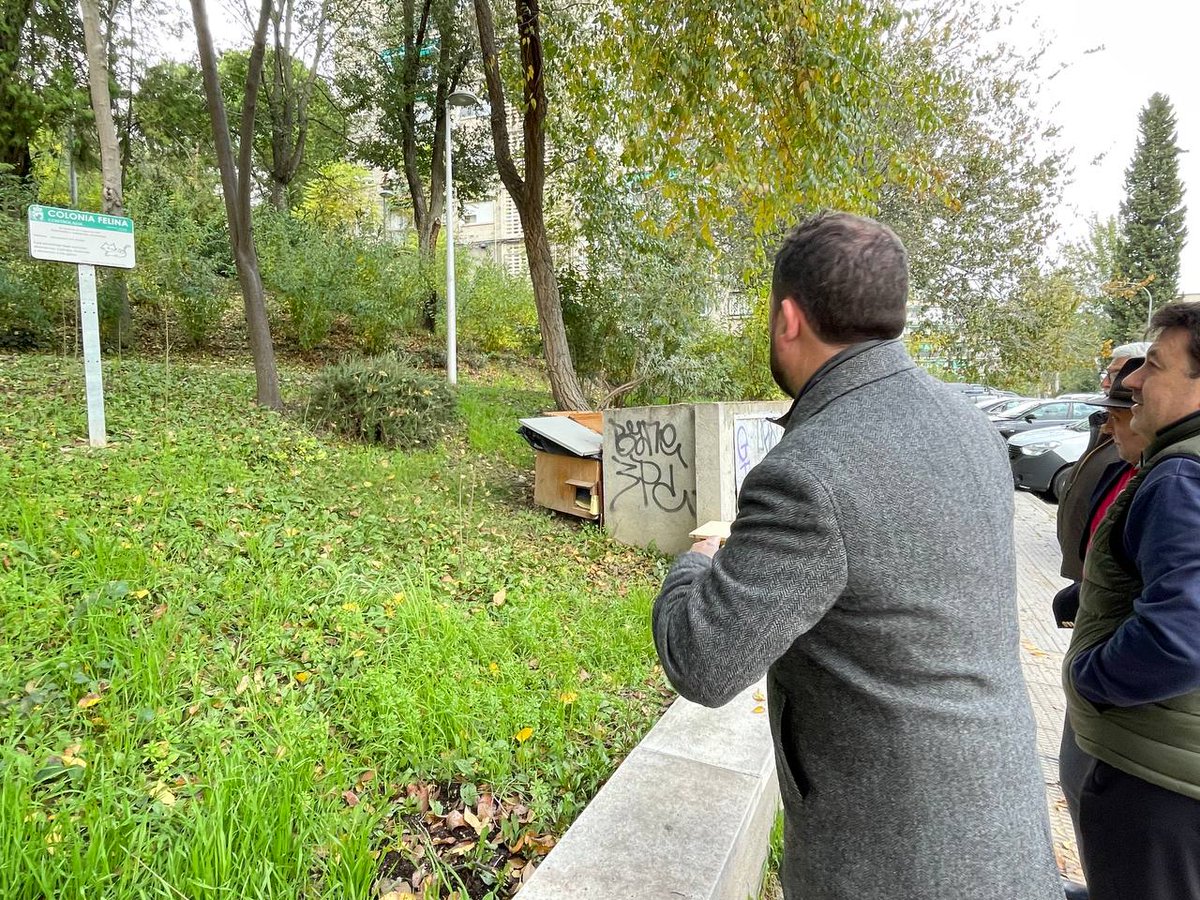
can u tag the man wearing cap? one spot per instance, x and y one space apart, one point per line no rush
1132 673
1076 501
1073 763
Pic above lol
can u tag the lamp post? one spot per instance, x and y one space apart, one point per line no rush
1150 307
458 98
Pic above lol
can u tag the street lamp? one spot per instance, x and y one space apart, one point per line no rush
1150 306
458 98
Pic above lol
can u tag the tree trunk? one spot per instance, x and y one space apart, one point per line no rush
112 198
235 185
528 192
277 195
564 384
427 232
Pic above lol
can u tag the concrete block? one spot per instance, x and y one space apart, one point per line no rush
663 827
687 815
731 438
669 468
732 737
650 476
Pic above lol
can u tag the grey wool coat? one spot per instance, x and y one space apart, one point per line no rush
871 574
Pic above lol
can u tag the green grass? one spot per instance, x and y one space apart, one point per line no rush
212 629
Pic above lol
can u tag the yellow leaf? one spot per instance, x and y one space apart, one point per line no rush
141 594
471 819
568 697
303 677
758 709
88 701
758 695
523 735
161 793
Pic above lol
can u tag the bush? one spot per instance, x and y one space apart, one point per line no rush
183 252
497 313
317 276
383 400
24 322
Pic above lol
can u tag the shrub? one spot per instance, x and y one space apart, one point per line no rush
24 322
183 251
383 400
317 276
497 313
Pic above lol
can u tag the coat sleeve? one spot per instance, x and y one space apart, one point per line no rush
1155 654
719 624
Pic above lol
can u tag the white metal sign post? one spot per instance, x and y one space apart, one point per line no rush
88 240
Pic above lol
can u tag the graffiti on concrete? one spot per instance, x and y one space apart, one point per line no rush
753 438
649 460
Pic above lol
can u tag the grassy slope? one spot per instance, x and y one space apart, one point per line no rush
228 620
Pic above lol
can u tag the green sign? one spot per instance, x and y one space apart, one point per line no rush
80 237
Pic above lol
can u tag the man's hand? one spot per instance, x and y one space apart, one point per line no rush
709 546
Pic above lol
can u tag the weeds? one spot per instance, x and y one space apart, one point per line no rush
212 629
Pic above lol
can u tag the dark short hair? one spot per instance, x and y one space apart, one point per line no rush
849 275
1184 315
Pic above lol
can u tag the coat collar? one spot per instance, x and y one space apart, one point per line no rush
855 367
1185 428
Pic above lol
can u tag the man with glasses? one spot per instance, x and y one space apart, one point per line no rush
1115 424
1075 502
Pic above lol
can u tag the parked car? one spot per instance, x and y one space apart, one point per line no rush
1014 410
1043 413
998 406
1041 459
977 392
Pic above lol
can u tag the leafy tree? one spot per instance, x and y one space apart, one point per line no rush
978 242
235 185
340 199
746 113
170 122
1153 229
426 50
41 54
287 151
299 38
527 186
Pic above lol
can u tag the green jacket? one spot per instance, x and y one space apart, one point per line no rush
1157 742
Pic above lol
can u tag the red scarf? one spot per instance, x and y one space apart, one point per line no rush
1107 500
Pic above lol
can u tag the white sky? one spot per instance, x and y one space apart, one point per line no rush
1145 47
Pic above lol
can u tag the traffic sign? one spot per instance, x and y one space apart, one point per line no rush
83 238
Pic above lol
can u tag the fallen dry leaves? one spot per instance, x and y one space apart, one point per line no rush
490 844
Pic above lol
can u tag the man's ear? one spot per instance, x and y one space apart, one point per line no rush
790 320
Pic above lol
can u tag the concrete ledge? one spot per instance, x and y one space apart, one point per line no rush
687 815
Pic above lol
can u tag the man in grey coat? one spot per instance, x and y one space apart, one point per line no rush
871 575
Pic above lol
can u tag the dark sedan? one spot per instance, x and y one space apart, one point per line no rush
1042 459
1043 415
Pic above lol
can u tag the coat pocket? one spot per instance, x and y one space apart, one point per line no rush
793 781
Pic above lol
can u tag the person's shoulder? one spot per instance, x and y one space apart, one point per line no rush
1183 466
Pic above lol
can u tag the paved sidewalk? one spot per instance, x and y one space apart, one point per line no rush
1042 648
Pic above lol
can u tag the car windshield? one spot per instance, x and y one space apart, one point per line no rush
1018 410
